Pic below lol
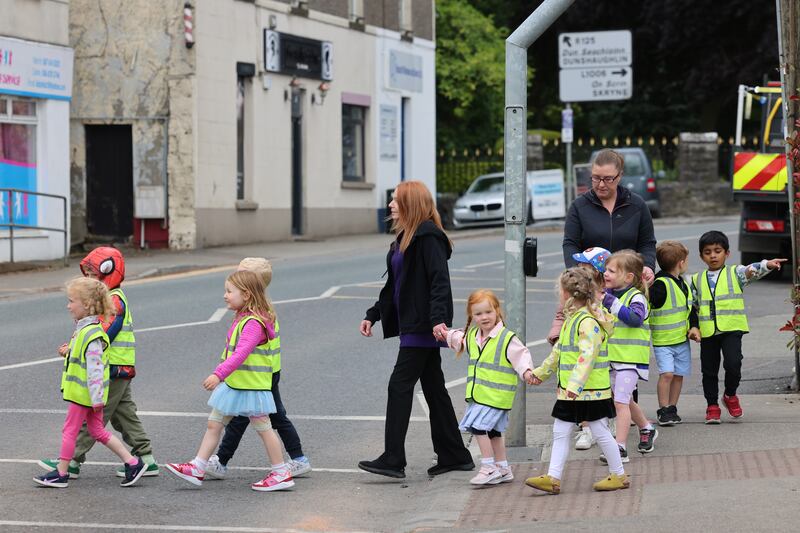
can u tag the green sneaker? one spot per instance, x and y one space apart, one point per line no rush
151 470
74 468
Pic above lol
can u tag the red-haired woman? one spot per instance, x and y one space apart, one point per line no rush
416 304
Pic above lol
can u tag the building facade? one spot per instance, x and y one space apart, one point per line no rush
232 121
35 90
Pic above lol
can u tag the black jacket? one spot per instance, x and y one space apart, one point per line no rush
629 226
425 296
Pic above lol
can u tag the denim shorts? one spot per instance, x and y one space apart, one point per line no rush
676 359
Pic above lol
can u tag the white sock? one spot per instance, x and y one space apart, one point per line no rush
200 464
487 461
502 464
649 427
280 468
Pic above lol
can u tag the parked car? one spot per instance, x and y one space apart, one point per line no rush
638 177
483 203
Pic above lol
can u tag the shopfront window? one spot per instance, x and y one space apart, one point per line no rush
17 159
353 122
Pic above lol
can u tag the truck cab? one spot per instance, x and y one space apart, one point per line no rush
759 178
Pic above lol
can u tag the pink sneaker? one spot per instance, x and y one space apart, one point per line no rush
274 481
506 476
187 472
486 475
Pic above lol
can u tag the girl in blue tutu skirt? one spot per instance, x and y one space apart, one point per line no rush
242 382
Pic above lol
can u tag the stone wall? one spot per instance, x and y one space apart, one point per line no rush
698 157
695 198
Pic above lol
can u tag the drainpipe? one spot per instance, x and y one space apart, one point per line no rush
516 110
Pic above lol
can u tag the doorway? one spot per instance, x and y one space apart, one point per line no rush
109 181
297 161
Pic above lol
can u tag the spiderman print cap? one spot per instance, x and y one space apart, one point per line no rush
595 256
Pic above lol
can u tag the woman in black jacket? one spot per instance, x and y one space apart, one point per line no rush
417 304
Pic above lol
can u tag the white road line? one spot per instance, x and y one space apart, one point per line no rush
157 527
218 314
536 343
31 363
244 468
423 404
189 414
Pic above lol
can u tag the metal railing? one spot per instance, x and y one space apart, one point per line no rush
11 224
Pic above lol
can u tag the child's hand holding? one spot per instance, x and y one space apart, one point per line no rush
211 382
440 332
571 395
98 408
694 335
532 379
63 349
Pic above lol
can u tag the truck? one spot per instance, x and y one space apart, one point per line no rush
759 177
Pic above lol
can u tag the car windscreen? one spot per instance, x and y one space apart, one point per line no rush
634 166
487 185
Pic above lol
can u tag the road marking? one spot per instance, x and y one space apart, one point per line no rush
31 363
157 527
189 414
180 275
243 468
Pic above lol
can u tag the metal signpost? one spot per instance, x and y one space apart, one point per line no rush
566 137
515 177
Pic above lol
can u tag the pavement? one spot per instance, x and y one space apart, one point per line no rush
743 475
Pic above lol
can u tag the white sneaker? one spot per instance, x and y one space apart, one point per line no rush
486 475
584 439
299 468
506 476
215 469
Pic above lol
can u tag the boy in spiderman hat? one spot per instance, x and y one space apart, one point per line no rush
107 265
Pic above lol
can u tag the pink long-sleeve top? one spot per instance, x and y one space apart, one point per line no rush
252 335
518 354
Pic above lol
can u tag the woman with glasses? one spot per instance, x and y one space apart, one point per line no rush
610 216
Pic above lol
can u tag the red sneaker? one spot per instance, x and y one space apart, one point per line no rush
732 404
274 481
187 472
713 412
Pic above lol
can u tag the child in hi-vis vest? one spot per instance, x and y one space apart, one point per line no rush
628 346
107 264
242 383
717 295
496 358
84 382
580 362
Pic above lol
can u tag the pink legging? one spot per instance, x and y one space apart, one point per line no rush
76 416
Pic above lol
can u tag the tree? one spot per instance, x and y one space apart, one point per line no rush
470 76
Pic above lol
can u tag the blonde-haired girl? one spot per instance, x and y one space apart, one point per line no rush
84 382
629 346
579 359
242 382
496 358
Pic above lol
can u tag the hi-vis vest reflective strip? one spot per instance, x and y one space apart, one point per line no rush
728 302
569 355
74 386
759 172
123 350
275 349
627 344
670 323
255 372
491 380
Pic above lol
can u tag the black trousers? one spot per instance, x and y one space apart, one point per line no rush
424 365
729 344
280 422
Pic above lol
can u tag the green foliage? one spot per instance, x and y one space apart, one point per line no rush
470 76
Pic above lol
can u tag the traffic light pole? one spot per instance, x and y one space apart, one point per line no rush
516 110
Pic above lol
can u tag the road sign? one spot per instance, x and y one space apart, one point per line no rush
566 125
595 49
595 84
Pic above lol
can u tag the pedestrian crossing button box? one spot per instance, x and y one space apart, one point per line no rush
529 263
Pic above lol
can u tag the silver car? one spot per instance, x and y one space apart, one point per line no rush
483 203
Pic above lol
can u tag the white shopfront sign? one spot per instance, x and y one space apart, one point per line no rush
35 69
405 71
547 193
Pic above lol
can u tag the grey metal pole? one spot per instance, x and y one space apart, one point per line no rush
66 234
569 176
11 227
516 110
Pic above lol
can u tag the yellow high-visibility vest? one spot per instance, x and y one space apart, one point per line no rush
123 348
569 355
74 376
491 380
630 344
728 300
670 323
255 372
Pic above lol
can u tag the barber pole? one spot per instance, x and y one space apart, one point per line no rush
188 26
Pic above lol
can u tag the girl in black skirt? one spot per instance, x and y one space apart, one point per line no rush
580 361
